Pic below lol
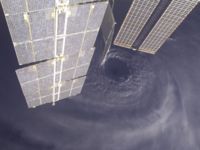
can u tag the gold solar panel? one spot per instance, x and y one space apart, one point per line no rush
135 20
173 16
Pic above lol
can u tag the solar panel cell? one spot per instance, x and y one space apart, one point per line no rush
66 85
31 90
18 28
33 5
76 91
78 18
25 53
89 40
33 103
68 74
42 24
81 71
64 94
47 99
27 74
98 11
13 6
70 61
73 44
43 49
46 85
86 56
78 82
45 69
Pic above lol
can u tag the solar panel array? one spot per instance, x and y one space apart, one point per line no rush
140 14
58 36
40 84
173 16
41 32
135 20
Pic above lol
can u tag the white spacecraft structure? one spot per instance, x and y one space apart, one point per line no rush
54 40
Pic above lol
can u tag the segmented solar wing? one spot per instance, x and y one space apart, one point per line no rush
41 32
173 16
37 81
135 20
58 36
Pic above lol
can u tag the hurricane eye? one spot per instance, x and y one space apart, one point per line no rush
116 69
